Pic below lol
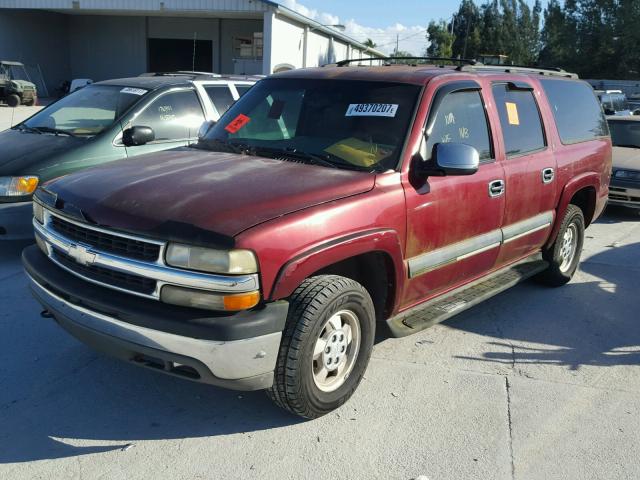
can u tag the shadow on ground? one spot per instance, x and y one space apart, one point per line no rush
593 323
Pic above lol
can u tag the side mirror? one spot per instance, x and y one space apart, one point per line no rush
452 159
205 127
134 136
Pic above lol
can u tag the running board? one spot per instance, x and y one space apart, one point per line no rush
444 307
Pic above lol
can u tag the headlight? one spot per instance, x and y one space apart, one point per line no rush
627 174
38 212
232 262
189 297
18 186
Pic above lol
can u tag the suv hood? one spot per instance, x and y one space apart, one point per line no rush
189 194
626 157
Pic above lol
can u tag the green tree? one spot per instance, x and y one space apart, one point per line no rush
369 43
440 40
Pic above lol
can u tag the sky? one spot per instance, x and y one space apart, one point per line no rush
380 20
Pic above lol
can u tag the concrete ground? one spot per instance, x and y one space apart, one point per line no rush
536 383
12 116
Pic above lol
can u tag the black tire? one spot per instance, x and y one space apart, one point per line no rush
558 274
30 103
312 304
13 100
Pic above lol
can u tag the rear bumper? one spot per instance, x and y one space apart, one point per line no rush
245 363
15 221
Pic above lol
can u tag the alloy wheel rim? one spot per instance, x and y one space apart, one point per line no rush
336 350
569 247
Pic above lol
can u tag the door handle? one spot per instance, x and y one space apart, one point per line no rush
548 175
496 188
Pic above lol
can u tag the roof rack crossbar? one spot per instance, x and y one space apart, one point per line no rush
547 71
394 60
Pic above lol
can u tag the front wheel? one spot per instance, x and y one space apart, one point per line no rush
326 346
13 100
564 255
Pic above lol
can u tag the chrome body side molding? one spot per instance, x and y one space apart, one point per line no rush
435 259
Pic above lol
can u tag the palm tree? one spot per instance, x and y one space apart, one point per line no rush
369 43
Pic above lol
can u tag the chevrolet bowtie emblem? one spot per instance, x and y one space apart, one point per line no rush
82 255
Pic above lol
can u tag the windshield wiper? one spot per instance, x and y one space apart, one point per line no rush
56 131
288 153
24 128
215 142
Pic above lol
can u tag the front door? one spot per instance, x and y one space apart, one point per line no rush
530 170
175 117
454 222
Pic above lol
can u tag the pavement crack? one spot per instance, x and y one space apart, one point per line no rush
508 392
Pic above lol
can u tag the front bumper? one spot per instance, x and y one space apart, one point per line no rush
624 194
159 341
15 221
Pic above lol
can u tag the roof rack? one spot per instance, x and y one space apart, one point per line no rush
394 61
547 71
180 73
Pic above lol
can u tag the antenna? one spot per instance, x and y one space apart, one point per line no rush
193 61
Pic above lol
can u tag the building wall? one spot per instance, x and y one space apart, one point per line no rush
231 28
103 47
287 43
317 49
37 38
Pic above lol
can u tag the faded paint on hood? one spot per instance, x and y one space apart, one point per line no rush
626 158
192 190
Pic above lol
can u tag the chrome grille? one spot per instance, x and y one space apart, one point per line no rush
126 247
114 278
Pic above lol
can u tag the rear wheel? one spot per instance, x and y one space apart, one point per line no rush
326 346
13 100
30 103
564 255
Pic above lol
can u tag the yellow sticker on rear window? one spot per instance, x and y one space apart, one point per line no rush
512 113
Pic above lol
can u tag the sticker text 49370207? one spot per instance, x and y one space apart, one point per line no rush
371 110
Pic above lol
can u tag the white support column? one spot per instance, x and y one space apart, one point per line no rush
305 43
267 43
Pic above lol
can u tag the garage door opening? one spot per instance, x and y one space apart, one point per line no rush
170 55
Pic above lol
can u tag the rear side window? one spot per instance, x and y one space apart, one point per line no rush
461 118
578 115
221 97
242 89
519 119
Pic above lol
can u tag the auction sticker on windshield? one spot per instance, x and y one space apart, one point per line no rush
133 91
237 123
372 110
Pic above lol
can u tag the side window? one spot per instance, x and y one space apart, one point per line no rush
576 110
461 118
221 97
173 116
242 89
519 119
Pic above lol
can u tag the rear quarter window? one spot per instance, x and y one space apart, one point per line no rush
576 110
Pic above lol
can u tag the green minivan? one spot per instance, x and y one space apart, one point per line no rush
103 122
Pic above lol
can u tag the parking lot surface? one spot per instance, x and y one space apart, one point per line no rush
13 116
536 383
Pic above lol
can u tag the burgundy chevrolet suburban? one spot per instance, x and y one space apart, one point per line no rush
325 203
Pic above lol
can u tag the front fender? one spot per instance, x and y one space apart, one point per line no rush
304 265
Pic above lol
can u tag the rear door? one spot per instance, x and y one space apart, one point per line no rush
454 222
530 170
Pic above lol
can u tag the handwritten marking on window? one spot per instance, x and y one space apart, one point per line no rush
449 118
446 138
464 132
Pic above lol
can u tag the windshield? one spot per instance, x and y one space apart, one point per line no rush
616 102
87 111
18 72
336 123
625 134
